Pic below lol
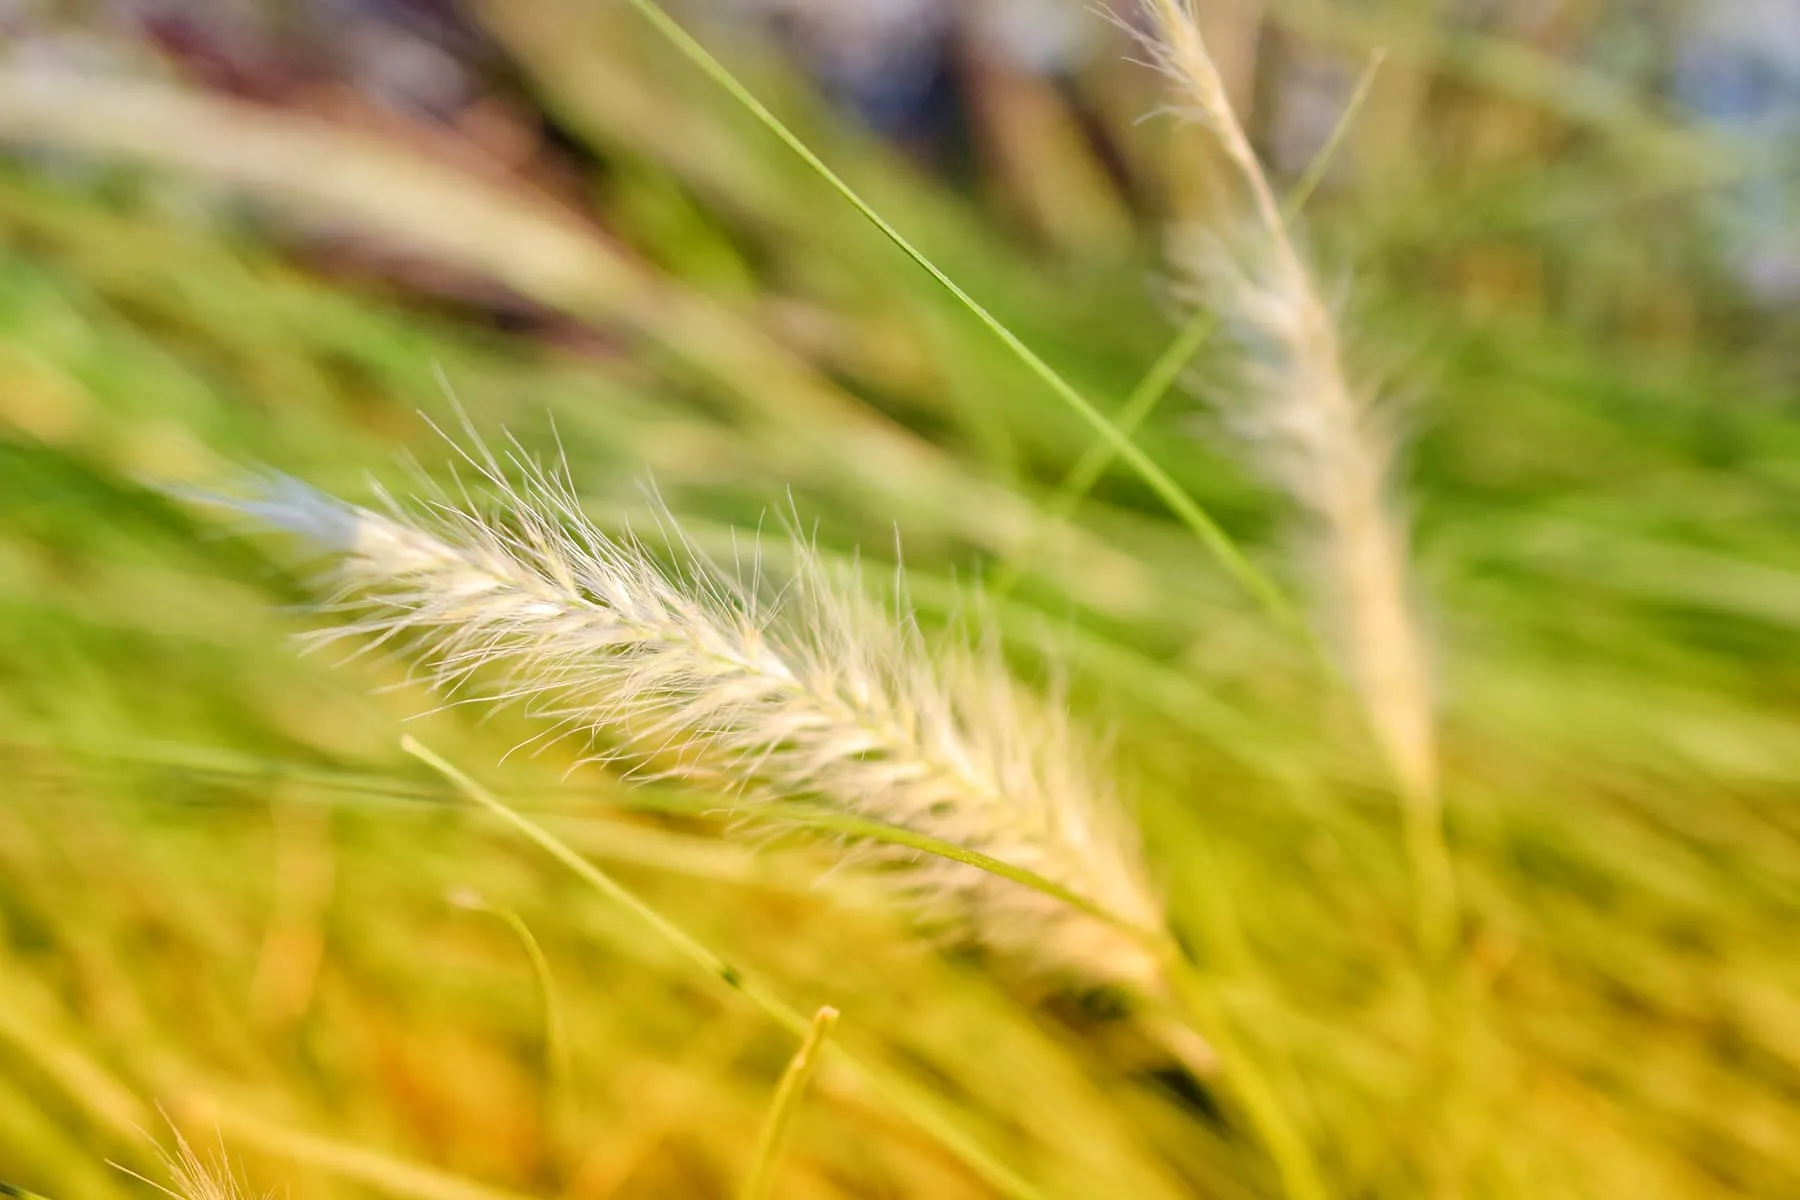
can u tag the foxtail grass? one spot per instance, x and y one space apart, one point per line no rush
1318 434
802 691
974 797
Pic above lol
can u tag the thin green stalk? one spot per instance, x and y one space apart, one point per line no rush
1314 175
559 1075
913 1102
799 1073
776 812
1094 461
893 835
1190 513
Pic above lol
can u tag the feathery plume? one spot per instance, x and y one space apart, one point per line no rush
804 692
1323 444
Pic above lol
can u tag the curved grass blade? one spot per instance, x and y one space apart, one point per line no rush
918 1106
800 1069
1252 578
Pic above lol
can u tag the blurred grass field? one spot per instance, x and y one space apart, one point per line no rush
229 901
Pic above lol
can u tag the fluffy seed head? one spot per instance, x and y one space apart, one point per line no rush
1320 436
1314 427
807 691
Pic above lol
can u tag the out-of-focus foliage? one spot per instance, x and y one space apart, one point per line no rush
243 235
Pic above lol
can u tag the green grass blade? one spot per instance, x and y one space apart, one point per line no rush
917 1105
19 1193
799 1073
1137 408
1314 175
1171 493
559 1075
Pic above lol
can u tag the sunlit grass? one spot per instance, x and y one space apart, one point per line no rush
224 889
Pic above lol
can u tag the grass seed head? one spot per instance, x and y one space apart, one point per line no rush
808 692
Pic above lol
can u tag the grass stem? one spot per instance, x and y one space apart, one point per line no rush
913 1102
769 1144
559 1075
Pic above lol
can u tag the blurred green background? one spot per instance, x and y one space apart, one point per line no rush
259 234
